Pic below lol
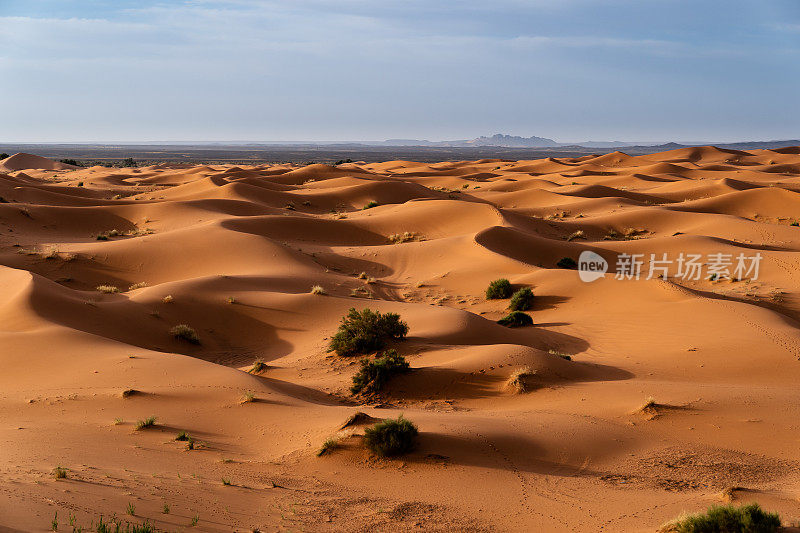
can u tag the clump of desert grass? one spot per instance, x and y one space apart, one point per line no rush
107 289
519 380
168 299
370 205
399 238
139 285
183 331
522 300
748 518
375 373
391 437
60 472
328 446
650 408
516 319
567 263
579 234
318 289
248 397
562 355
149 422
258 366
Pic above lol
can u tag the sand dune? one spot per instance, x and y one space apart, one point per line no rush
98 265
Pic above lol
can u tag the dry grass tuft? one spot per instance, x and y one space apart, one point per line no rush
399 238
328 446
519 380
107 289
580 234
317 289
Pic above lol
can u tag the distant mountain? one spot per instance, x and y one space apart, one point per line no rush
513 141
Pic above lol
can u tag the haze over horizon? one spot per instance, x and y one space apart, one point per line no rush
221 70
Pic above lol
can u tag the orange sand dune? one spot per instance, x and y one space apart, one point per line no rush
97 265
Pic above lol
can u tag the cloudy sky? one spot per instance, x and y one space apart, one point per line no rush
572 70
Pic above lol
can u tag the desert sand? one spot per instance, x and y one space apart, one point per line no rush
233 252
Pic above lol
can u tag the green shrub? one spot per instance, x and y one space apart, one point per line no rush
391 437
148 422
375 373
567 262
65 161
370 204
516 319
366 331
498 289
522 300
727 519
327 447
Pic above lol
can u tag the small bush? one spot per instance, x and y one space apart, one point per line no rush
522 300
327 447
248 397
400 238
107 289
226 481
317 289
370 205
140 285
567 262
498 289
516 319
374 374
366 331
258 367
391 437
60 472
580 234
727 519
562 355
148 422
182 331
182 436
168 299
131 510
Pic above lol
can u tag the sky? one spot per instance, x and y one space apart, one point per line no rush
299 70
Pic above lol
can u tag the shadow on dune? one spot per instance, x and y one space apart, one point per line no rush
497 451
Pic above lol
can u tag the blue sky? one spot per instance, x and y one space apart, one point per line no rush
572 70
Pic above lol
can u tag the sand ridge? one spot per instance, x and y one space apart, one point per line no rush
233 252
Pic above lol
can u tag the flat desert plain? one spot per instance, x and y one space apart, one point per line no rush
641 398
